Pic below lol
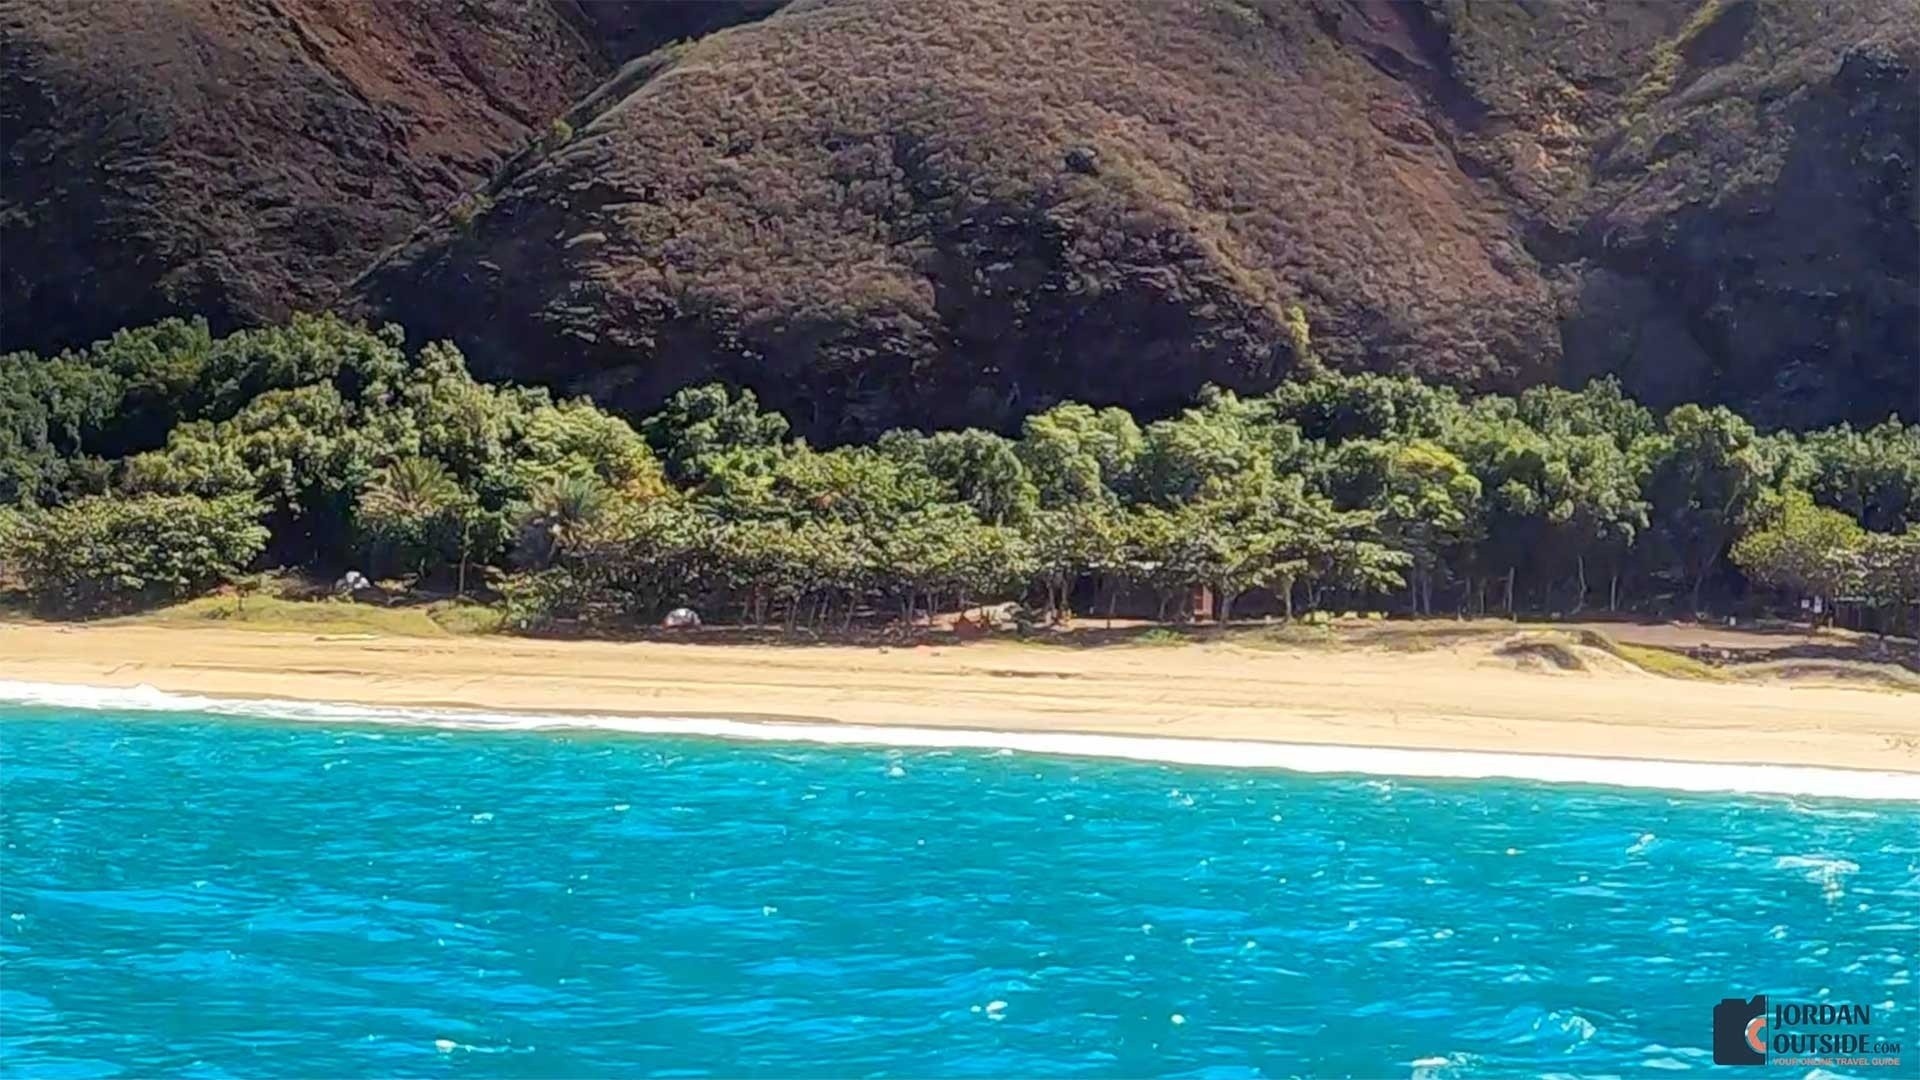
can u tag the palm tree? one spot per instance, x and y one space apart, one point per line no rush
556 515
413 487
405 503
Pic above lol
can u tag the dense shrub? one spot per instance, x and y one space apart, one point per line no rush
101 554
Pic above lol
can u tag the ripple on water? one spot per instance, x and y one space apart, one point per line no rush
201 895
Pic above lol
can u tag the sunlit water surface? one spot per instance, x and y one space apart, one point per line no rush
212 897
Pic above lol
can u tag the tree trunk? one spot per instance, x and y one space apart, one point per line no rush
1699 582
466 547
1286 598
1113 597
1225 612
1509 590
1613 593
1580 601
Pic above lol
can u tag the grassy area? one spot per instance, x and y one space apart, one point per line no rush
1656 661
1290 636
464 617
1426 637
439 619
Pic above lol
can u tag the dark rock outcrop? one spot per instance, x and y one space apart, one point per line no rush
625 29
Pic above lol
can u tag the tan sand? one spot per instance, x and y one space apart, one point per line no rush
1461 697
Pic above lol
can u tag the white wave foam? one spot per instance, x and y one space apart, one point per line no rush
1294 757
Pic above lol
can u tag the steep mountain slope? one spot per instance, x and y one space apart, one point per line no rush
242 158
953 211
1728 189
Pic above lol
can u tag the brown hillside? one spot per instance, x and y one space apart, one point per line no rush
242 158
955 211
952 211
960 210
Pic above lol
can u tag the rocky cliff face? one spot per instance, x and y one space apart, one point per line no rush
955 211
1725 192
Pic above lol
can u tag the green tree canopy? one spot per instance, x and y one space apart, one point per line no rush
1075 454
705 431
1800 547
976 467
1707 471
101 553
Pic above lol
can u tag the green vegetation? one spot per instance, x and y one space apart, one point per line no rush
164 462
1668 58
275 613
1801 547
102 553
1652 659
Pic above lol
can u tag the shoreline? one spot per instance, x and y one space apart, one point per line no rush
1298 758
1308 709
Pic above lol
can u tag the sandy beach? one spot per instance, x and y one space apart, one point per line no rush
1462 696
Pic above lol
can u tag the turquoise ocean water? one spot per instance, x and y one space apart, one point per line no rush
201 896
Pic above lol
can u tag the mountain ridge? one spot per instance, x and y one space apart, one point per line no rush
954 212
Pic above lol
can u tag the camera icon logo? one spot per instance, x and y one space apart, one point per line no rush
1739 1031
